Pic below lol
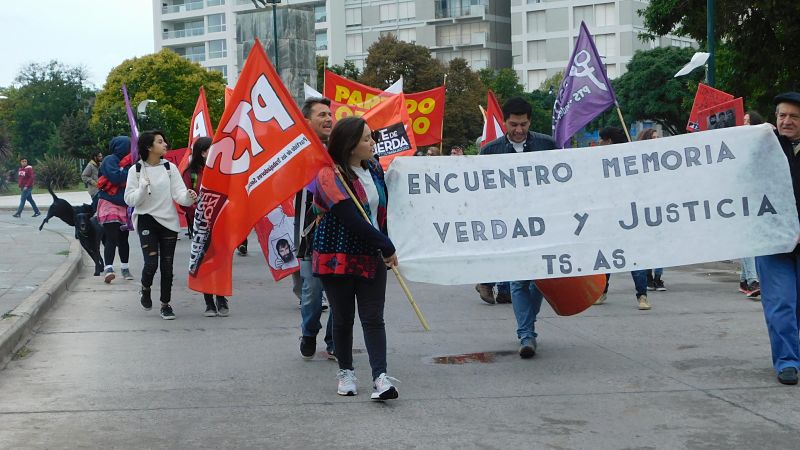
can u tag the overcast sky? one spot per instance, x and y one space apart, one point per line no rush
96 34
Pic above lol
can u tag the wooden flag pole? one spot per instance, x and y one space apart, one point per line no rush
400 279
622 121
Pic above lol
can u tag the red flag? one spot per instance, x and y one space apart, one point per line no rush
493 124
263 152
705 98
391 129
199 126
425 109
275 233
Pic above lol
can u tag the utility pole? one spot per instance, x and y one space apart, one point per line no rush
710 39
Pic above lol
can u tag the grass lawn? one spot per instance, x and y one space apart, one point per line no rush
13 189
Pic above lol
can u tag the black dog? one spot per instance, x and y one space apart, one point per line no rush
87 230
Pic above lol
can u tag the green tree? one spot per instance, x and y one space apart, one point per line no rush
172 81
347 70
649 91
42 95
74 137
504 83
389 59
462 118
759 42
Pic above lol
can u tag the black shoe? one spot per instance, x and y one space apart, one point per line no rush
788 375
211 310
743 287
659 285
651 284
503 297
242 250
145 300
308 346
222 306
37 214
166 312
16 215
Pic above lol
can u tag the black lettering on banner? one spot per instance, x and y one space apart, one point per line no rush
581 218
208 209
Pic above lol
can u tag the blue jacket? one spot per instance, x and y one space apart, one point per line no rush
534 142
119 147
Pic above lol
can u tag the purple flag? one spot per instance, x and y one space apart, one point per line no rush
132 122
585 91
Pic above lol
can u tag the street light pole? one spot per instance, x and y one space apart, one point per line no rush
710 39
275 31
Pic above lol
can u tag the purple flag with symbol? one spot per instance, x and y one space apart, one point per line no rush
132 122
585 91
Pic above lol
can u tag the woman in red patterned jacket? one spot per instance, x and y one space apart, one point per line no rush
350 253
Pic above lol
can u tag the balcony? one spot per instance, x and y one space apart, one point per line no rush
195 57
216 28
458 11
190 6
182 33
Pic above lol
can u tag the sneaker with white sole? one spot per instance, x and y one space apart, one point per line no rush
347 382
644 305
166 312
126 273
382 388
325 303
109 275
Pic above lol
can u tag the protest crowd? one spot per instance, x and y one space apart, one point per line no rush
327 227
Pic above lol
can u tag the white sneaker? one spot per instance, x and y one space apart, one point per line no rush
325 303
382 388
347 382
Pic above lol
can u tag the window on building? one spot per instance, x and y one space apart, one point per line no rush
216 23
352 16
583 13
606 44
387 13
320 15
195 53
407 35
605 15
537 51
354 44
215 3
217 49
611 71
406 10
322 40
536 78
221 69
536 22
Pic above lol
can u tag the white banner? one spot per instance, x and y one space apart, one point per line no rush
698 197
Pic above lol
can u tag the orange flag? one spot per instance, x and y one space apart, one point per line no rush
199 126
391 130
425 109
263 152
493 124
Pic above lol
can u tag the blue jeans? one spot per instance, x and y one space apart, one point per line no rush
26 196
502 286
780 284
311 305
749 273
640 281
526 301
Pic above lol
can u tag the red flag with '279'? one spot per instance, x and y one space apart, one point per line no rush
263 152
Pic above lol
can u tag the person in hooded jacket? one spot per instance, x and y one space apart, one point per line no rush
112 212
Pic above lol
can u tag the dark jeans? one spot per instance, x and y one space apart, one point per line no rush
343 291
158 245
639 282
115 238
25 196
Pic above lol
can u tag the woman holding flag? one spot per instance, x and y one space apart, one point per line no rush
152 187
350 253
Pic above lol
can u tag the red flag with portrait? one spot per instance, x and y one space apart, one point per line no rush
263 152
275 233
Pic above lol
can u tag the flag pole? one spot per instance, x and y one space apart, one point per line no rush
441 135
400 279
622 121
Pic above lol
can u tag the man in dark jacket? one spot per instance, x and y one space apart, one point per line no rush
526 298
26 179
779 273
317 112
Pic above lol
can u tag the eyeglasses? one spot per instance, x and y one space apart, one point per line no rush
784 116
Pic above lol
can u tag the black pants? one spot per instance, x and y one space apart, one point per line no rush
371 295
158 245
114 239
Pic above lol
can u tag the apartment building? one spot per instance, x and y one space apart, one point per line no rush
209 31
543 34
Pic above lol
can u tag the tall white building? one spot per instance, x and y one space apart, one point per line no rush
543 34
479 31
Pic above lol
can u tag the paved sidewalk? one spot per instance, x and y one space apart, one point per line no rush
43 201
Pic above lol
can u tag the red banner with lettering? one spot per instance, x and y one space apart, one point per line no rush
275 233
391 130
263 152
425 109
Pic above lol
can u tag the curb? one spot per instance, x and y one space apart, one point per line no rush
16 329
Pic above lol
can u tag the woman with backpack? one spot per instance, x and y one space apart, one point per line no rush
152 187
